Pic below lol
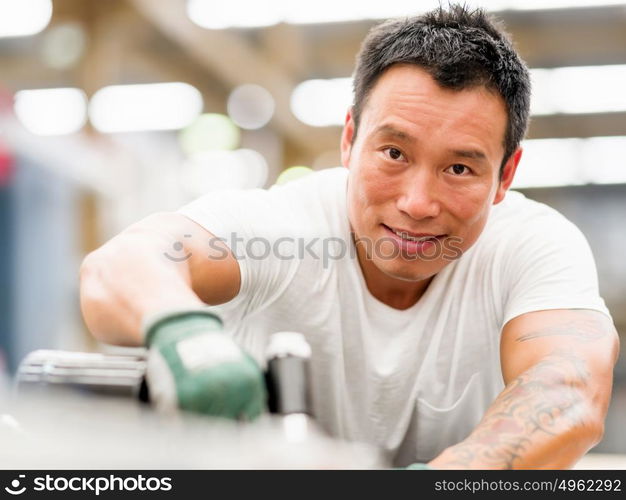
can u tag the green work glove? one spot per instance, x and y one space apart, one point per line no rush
194 366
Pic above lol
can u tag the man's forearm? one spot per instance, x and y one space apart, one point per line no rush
543 419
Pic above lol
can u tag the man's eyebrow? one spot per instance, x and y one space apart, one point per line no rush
392 131
473 154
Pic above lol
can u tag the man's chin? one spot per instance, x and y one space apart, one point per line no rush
410 270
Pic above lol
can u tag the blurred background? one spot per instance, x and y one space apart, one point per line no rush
111 110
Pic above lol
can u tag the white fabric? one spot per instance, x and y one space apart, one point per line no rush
415 381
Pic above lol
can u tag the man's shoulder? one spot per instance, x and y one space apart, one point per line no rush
519 222
318 183
318 199
516 204
517 212
312 205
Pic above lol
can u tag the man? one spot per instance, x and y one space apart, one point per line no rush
450 322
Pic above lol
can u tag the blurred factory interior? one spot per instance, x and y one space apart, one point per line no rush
111 110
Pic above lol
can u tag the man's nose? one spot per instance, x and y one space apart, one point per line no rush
420 197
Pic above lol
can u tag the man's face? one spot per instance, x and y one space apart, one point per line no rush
425 163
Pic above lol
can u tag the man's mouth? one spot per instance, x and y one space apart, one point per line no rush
411 236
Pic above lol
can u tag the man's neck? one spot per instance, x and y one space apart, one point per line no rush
394 292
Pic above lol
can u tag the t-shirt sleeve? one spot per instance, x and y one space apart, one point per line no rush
256 225
549 265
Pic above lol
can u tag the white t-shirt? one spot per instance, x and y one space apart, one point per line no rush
413 381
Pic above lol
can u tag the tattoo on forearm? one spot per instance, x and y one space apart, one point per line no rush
547 399
586 330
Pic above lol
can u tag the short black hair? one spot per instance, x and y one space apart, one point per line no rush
460 48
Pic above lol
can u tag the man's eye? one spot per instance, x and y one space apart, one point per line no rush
394 154
459 169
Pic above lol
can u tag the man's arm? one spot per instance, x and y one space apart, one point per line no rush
164 262
558 368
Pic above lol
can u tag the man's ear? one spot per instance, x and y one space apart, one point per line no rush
508 173
347 135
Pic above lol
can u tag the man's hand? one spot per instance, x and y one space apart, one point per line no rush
558 369
194 366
